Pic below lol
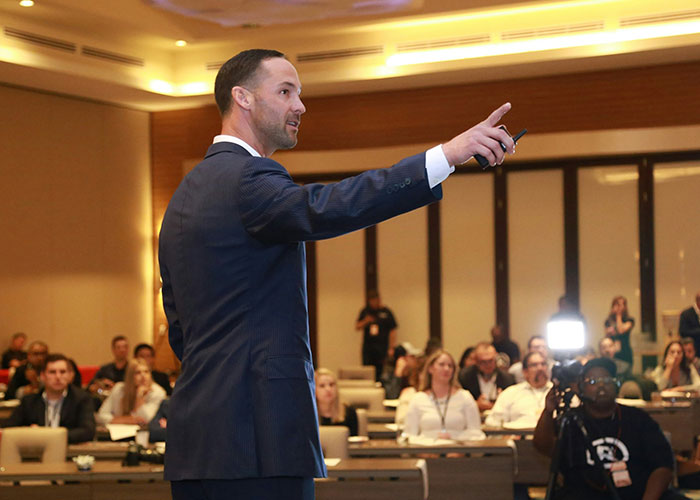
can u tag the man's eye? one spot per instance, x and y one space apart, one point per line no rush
285 91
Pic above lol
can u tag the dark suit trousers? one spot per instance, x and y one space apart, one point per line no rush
264 488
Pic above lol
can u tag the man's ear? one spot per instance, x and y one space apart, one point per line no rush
241 97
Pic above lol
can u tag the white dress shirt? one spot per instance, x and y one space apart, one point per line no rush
520 403
112 406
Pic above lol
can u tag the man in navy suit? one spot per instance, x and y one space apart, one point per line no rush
243 421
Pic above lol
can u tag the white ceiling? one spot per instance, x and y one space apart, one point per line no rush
123 51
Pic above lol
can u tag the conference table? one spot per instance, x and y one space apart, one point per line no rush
469 469
373 479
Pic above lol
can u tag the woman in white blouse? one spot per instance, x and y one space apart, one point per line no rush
134 401
441 409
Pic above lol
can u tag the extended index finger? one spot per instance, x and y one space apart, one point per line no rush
496 116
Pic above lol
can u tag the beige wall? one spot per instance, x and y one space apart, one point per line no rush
535 250
468 286
75 200
340 266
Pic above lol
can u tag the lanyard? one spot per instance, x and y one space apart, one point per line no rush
53 413
440 413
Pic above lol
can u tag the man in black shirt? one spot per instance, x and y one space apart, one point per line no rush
503 344
58 404
36 357
628 442
14 355
113 372
689 322
379 326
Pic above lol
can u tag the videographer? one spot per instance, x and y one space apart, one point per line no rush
629 443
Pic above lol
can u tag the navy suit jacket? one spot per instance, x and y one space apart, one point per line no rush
233 266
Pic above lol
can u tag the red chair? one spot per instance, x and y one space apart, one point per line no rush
4 376
87 372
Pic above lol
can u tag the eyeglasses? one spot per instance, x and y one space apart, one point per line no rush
600 380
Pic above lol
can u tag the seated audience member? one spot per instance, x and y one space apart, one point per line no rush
618 327
433 344
148 354
689 322
624 437
441 409
503 344
113 372
397 378
410 391
158 425
676 372
36 357
32 374
134 401
76 378
468 358
690 352
523 403
330 411
14 356
484 380
537 343
607 349
58 404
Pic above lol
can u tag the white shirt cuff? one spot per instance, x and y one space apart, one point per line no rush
436 166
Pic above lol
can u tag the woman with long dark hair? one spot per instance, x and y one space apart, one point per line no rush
676 372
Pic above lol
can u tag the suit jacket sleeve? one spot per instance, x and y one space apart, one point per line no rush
85 428
276 210
22 415
174 328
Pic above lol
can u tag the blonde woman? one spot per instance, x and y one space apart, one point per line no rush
441 409
134 401
330 411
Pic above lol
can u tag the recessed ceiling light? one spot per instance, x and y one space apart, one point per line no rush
181 43
26 3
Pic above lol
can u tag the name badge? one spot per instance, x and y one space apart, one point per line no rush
374 329
620 474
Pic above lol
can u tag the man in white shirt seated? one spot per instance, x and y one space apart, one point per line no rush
537 343
521 404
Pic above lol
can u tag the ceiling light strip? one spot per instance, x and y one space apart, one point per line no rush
544 44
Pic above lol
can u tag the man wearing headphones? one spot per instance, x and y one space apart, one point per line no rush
628 442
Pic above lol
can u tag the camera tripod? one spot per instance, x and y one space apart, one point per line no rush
565 418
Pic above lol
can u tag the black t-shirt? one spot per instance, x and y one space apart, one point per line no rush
350 420
631 436
376 338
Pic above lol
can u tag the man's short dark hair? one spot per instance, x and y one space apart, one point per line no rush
39 343
527 357
118 338
53 357
239 70
687 340
18 335
143 346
